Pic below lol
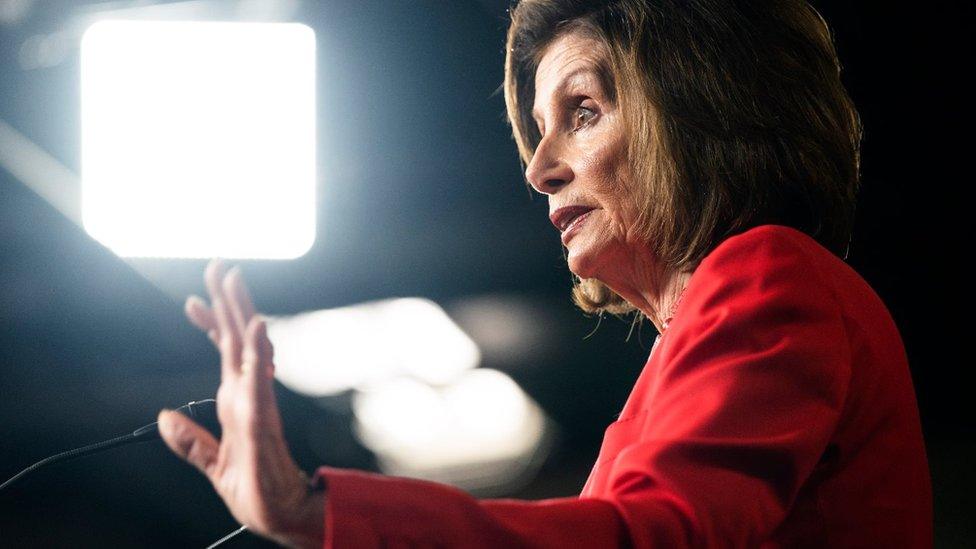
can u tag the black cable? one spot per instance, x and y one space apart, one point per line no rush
196 410
72 454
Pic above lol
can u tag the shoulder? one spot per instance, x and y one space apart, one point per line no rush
770 277
758 330
766 245
759 303
761 262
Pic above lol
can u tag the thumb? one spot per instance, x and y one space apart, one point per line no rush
188 440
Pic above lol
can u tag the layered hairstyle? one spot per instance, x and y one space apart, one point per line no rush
735 113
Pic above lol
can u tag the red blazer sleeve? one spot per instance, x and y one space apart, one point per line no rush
737 404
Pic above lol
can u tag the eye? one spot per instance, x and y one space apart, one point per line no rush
581 117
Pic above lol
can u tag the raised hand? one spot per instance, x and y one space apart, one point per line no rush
250 467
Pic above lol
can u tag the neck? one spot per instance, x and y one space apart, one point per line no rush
655 293
659 307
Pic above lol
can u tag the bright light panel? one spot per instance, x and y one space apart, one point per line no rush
198 138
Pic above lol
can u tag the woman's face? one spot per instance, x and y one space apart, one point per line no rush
581 161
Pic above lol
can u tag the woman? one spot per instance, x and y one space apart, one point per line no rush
701 163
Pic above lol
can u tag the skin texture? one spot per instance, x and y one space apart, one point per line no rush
582 160
250 467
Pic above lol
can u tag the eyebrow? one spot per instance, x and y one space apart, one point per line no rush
599 72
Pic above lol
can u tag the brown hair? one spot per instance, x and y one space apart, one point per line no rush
735 112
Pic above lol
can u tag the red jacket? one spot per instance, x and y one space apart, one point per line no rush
776 410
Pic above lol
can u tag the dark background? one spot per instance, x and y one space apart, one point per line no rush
421 194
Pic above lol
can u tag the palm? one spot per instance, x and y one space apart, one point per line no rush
250 467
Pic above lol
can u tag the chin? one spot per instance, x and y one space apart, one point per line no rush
582 265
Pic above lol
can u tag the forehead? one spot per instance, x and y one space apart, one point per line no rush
570 59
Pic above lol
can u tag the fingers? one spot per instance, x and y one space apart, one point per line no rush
229 340
257 375
228 336
227 321
238 298
212 277
189 441
257 354
199 314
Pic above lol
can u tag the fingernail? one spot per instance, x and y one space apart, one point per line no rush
232 277
212 270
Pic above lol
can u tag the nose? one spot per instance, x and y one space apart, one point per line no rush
548 170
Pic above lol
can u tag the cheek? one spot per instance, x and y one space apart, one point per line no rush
610 184
602 164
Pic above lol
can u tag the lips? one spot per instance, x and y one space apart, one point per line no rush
563 217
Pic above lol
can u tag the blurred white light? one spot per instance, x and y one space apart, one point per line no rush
198 138
330 351
266 10
14 11
512 331
400 413
45 50
479 432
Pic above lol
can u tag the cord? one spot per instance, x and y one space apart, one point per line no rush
72 454
227 537
145 433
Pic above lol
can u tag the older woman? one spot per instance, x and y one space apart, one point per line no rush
701 163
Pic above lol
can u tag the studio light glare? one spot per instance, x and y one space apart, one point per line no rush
198 138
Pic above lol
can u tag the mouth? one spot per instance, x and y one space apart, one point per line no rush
564 217
574 227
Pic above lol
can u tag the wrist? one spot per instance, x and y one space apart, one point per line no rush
305 524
